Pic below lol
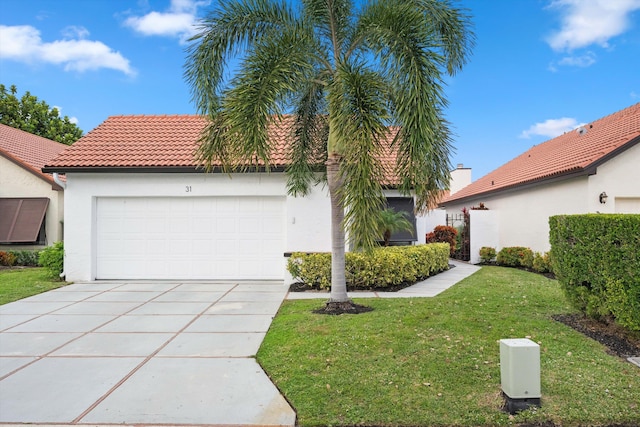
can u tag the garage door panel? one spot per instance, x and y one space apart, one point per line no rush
190 238
249 225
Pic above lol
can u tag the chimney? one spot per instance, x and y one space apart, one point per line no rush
460 178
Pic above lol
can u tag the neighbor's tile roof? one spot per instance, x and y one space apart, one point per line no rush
567 154
29 151
161 142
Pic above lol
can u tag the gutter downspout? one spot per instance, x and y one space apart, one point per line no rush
57 180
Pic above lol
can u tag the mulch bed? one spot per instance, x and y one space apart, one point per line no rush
618 341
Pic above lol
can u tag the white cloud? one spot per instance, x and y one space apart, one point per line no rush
179 21
585 60
551 128
73 120
75 32
587 22
23 44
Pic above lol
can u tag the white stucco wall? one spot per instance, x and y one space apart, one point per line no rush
432 219
15 181
307 219
485 231
524 214
619 178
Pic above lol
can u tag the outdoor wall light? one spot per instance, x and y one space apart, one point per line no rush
603 197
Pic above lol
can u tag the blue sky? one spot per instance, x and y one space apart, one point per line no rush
539 68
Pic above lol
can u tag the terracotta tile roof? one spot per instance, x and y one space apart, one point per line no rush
29 151
161 142
575 152
149 141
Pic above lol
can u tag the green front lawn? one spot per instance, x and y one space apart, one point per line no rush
435 361
18 283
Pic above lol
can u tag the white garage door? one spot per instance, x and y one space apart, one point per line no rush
205 238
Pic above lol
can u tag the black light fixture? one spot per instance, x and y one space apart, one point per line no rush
603 197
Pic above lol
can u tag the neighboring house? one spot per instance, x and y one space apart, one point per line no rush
31 202
140 207
595 168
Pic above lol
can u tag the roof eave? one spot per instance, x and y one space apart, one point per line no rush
152 169
523 185
42 175
590 169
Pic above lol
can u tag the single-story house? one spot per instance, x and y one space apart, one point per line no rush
31 202
139 206
595 168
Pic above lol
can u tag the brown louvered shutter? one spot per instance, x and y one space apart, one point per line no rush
21 219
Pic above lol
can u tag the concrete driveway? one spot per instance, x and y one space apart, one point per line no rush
140 353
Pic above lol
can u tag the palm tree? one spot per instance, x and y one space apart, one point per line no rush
346 73
390 221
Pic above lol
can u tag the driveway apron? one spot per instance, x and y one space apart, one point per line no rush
140 353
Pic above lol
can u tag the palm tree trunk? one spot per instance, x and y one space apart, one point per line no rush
338 280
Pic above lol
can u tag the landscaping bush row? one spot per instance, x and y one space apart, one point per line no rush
51 258
596 258
380 268
22 258
517 256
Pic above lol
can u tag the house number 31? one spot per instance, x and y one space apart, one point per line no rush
187 189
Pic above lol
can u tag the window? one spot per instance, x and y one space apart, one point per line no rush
403 204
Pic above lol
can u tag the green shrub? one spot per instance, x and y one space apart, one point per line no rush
541 263
26 258
487 254
378 268
596 258
515 256
52 259
7 259
443 234
313 269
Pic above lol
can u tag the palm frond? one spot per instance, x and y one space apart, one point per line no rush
308 142
358 111
274 68
415 41
453 28
224 33
332 19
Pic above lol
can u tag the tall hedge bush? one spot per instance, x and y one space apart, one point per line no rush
52 259
596 258
379 268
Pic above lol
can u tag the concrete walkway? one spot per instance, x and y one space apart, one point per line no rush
151 353
427 288
140 353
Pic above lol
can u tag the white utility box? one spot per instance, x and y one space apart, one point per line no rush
520 368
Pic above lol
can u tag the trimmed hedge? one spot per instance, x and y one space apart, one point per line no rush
515 256
487 254
542 263
596 258
379 268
